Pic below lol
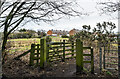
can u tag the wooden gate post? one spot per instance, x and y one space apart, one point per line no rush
72 48
63 51
100 52
79 56
31 63
92 61
47 53
118 56
38 54
42 53
104 57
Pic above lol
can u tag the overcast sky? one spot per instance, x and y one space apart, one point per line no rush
77 22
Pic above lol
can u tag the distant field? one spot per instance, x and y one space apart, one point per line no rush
57 39
38 39
116 45
24 44
24 39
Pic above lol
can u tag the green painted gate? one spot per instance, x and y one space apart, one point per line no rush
60 51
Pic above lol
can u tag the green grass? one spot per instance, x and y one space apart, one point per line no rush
116 45
38 39
57 39
109 73
26 41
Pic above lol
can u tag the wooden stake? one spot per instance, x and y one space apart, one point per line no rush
63 50
42 53
79 56
31 63
92 61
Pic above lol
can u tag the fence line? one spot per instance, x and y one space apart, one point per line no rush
48 52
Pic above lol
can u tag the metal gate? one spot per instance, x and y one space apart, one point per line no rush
109 57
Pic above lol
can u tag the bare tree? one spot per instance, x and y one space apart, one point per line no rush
108 7
15 14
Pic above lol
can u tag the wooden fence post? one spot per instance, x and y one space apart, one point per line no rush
42 53
104 57
37 54
47 52
63 50
92 61
72 48
118 55
79 56
100 52
31 63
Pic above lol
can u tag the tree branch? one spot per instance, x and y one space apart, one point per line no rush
21 19
16 12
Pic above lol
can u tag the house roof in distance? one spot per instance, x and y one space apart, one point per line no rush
59 31
76 30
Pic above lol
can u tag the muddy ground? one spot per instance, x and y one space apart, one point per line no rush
21 69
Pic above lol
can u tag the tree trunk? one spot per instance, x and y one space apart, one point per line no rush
4 44
3 48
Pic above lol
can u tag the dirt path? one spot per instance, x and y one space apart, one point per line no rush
20 68
66 69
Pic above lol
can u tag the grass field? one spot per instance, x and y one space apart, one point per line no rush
24 39
116 45
38 39
24 44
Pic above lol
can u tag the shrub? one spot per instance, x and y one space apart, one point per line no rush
65 36
41 33
48 39
71 38
23 35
